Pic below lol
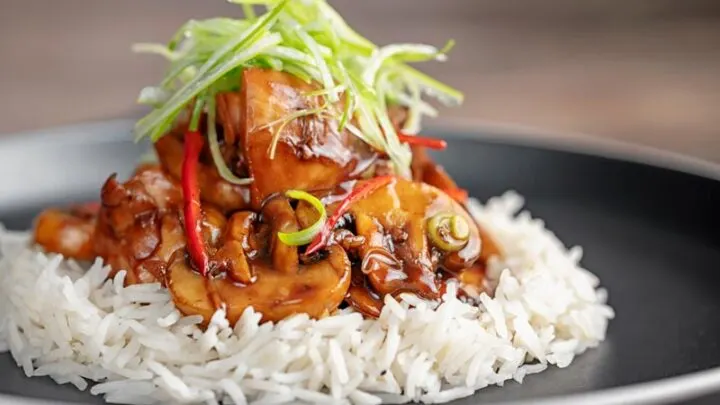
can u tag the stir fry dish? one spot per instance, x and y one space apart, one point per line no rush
290 175
289 238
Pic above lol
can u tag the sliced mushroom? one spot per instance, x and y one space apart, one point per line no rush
262 273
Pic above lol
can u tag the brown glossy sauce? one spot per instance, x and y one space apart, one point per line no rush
381 242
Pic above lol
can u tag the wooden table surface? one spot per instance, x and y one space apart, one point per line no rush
645 71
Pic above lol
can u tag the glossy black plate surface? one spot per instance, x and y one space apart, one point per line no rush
650 233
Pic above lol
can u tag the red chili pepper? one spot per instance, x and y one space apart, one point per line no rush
357 194
458 194
191 197
432 143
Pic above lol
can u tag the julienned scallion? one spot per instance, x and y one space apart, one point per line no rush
308 39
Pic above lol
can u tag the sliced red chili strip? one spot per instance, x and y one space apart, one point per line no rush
191 196
358 193
432 143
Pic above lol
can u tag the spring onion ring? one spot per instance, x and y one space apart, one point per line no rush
305 236
448 231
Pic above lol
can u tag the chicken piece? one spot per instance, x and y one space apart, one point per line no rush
68 232
398 255
310 154
386 236
253 268
139 227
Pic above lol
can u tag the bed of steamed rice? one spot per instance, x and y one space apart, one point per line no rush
61 320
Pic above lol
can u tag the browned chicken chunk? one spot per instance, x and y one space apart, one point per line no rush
398 254
138 226
310 154
68 232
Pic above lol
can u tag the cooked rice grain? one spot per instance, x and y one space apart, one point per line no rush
546 309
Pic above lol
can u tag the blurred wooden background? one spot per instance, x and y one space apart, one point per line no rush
645 71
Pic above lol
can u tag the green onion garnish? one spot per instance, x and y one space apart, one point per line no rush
306 235
311 41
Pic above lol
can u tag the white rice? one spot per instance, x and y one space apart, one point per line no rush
59 321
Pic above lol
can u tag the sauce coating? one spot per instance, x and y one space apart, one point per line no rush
382 245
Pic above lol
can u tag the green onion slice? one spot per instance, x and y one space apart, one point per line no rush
306 235
448 231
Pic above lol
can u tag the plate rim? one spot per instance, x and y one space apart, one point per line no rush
665 390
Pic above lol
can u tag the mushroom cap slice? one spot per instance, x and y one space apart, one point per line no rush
316 289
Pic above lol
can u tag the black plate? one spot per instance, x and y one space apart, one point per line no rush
650 232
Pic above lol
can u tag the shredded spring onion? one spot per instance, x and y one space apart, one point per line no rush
306 235
311 41
153 96
197 112
411 52
237 51
284 121
249 12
